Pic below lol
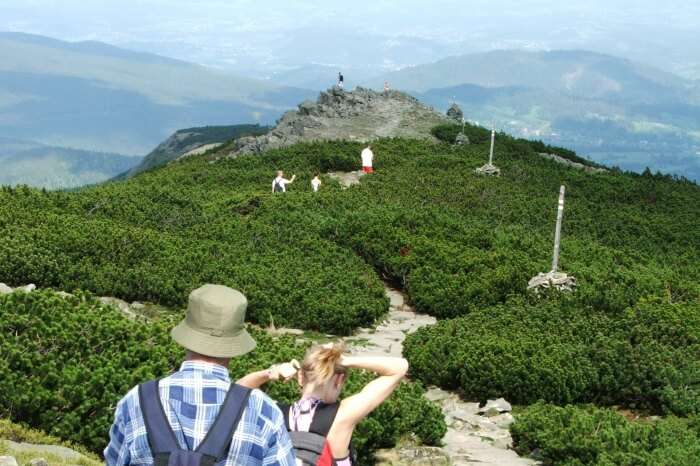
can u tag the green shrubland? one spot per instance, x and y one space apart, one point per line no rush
69 360
462 246
578 436
646 357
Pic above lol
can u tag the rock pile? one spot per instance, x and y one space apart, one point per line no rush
556 280
359 115
461 139
455 113
488 169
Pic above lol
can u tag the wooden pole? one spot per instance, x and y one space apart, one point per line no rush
557 232
493 137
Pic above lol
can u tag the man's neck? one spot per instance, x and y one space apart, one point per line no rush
195 357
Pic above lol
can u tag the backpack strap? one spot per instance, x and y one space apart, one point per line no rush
218 439
308 446
161 437
323 418
285 412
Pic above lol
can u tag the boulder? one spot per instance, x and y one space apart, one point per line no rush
4 289
38 462
123 306
8 461
500 406
461 140
28 288
455 113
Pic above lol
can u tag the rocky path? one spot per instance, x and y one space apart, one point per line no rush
472 438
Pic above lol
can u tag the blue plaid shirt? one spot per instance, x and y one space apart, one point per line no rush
192 398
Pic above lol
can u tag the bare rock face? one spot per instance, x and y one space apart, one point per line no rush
359 115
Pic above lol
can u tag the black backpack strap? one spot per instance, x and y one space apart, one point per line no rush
285 412
161 437
323 418
218 439
308 446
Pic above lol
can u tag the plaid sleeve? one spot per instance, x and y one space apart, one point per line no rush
279 450
117 452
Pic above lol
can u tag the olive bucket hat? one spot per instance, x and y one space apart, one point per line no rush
214 325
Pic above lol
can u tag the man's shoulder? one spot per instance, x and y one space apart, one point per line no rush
264 406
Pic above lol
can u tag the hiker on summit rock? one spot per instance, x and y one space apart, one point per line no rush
195 416
367 157
341 80
279 184
320 426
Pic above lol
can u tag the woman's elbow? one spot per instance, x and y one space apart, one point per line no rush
402 367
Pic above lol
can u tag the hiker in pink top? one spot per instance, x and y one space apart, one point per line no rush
320 425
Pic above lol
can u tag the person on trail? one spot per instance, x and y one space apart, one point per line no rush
341 80
195 416
316 183
279 184
386 88
367 157
320 426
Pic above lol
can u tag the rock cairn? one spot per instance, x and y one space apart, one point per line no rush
554 280
455 113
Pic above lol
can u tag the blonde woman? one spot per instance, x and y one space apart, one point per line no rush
319 424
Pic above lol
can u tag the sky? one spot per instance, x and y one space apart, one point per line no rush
251 35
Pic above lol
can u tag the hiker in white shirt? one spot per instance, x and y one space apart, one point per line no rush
315 183
279 184
367 157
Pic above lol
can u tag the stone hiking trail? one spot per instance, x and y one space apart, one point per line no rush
471 438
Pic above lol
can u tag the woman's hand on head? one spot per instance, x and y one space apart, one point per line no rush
288 370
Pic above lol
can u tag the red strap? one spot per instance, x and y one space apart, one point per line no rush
326 458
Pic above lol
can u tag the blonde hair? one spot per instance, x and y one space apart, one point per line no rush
321 363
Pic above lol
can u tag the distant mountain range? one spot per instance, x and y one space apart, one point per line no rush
94 96
613 110
26 162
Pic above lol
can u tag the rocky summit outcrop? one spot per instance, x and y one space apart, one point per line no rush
358 115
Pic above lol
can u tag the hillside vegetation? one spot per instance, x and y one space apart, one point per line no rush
463 247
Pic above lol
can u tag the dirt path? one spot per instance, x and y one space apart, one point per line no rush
471 438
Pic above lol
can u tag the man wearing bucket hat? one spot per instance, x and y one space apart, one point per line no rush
195 415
